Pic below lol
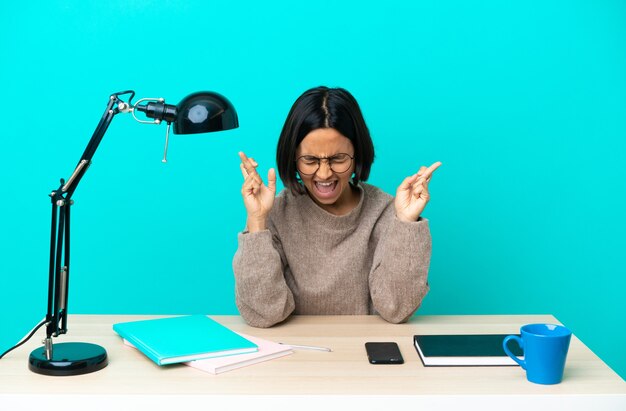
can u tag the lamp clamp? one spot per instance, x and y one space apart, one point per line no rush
156 109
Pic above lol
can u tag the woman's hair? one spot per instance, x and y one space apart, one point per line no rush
323 107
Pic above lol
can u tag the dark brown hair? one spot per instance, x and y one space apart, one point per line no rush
323 107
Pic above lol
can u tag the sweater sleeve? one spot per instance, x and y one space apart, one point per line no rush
398 280
261 292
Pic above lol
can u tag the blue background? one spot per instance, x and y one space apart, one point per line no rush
524 102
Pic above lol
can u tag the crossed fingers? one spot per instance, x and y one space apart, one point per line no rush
427 173
248 168
419 183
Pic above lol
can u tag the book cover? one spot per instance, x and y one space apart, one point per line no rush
464 350
180 339
268 350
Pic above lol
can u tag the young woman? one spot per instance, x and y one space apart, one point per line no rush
330 243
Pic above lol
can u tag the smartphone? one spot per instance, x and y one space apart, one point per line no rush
383 353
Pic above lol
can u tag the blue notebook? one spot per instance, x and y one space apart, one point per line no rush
180 339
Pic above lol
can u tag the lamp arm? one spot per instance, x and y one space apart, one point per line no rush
115 106
59 269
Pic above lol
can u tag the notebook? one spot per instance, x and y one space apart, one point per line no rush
268 350
464 350
180 339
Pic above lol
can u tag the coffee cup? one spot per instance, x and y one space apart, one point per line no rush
545 351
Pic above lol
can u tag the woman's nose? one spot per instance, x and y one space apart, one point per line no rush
324 171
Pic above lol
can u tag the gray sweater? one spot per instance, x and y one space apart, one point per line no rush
309 261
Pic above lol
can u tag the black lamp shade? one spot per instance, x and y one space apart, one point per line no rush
204 112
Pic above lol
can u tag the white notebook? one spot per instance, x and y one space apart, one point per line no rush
268 350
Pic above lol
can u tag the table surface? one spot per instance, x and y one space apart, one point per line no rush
343 371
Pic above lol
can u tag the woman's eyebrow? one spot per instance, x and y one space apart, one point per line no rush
330 156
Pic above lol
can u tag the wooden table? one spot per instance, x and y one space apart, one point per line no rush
314 379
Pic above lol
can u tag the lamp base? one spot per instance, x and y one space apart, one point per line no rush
71 358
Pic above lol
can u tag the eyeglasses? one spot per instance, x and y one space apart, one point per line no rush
339 163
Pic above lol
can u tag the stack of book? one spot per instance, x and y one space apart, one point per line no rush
197 341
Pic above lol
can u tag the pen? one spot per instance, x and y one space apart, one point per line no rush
307 347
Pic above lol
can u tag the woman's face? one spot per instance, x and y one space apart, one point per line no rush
329 189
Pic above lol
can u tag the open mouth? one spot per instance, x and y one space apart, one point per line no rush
325 189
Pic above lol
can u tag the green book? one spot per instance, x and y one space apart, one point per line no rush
179 339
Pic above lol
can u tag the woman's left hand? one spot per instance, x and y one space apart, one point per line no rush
412 195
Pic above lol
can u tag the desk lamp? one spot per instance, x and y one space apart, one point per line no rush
200 112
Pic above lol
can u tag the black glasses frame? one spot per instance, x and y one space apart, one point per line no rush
319 163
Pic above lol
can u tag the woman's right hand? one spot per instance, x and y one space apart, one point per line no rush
257 197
